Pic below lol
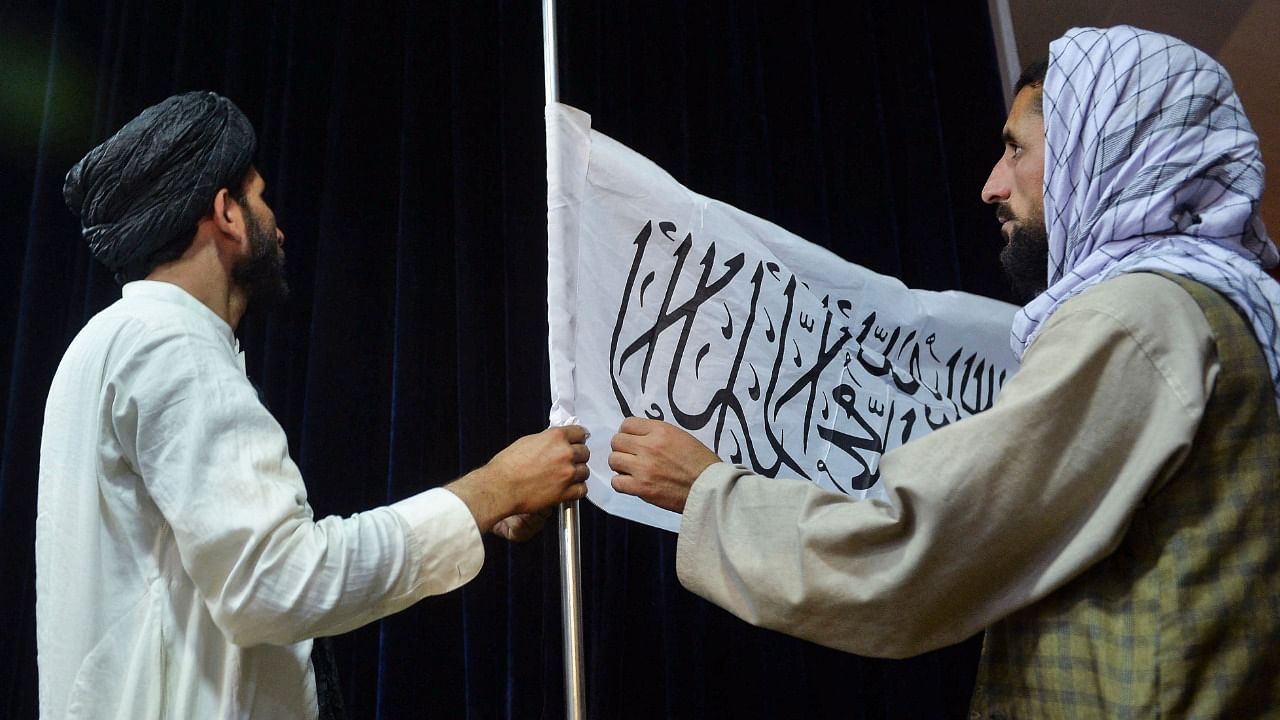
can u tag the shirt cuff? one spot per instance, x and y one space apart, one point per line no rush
693 519
444 542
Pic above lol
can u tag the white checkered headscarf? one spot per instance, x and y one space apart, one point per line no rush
1150 164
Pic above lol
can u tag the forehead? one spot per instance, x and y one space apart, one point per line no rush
1026 121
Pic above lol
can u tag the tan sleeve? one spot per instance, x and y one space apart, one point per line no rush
985 516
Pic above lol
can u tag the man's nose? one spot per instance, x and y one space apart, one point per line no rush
997 188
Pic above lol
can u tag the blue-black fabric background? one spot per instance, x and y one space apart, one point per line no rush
403 147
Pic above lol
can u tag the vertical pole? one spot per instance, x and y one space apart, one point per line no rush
570 563
550 65
1006 47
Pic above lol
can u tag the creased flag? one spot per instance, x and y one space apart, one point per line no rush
773 351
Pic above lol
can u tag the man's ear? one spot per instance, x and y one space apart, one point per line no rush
232 236
227 213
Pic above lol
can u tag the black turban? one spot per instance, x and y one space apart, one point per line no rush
152 181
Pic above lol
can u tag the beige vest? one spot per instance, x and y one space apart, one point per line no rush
1183 619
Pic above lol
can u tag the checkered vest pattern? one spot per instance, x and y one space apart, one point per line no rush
1183 619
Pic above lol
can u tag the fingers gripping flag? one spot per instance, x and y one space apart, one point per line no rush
774 352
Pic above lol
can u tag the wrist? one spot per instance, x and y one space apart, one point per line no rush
477 491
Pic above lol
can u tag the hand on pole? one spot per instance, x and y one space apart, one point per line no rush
532 474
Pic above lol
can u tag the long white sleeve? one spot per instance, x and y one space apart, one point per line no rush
179 569
217 466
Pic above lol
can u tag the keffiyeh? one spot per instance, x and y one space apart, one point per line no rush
154 179
1150 164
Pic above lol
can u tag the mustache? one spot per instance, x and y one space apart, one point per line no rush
1004 214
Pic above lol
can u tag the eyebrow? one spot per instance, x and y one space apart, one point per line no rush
1008 137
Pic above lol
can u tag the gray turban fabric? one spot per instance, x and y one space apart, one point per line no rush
152 181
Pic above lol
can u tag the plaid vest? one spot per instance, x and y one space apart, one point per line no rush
1183 619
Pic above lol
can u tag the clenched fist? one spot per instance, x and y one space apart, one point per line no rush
657 462
529 476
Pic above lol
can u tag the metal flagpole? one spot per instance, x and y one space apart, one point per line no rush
570 563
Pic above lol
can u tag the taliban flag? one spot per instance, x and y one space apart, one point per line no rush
776 353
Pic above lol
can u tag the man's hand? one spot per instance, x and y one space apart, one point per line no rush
657 462
532 474
518 528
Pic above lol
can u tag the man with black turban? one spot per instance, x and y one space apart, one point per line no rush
1112 519
179 570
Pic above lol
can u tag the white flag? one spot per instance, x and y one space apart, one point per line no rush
774 352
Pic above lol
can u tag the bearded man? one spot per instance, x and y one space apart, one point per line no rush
1111 521
180 572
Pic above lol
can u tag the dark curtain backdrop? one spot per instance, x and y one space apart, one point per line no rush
402 143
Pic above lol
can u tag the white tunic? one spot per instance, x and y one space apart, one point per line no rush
179 570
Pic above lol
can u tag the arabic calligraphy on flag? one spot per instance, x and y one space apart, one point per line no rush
773 351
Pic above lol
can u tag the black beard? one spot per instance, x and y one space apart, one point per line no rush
1025 259
261 275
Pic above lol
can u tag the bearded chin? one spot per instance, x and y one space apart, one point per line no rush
261 275
1026 261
